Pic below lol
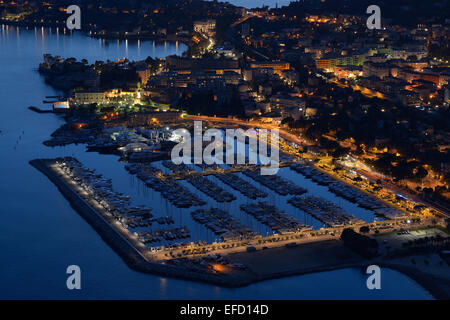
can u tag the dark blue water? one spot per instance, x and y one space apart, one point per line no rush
40 234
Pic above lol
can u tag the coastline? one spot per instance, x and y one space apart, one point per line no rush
136 260
438 287
109 36
132 257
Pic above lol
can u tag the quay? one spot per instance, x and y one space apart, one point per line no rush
276 183
201 183
350 193
192 262
240 185
137 257
168 187
210 189
324 210
208 170
277 220
223 224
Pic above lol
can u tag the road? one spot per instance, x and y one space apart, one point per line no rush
245 18
299 141
399 190
323 234
285 135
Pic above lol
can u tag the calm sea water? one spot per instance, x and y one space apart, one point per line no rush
40 234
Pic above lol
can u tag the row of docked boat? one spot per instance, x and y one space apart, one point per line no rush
223 224
276 219
324 210
356 196
176 168
146 221
170 189
347 192
100 189
201 182
313 174
240 185
275 183
234 181
389 213
117 204
210 188
166 234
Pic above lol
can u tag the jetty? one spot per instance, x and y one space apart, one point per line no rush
170 189
202 183
223 224
324 210
275 183
276 219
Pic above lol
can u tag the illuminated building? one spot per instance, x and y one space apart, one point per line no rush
379 70
143 74
207 27
189 65
277 66
331 62
88 97
347 72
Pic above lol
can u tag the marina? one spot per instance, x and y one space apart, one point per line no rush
276 219
223 224
44 232
210 189
234 181
365 201
349 193
312 173
96 187
355 195
275 182
324 210
201 182
169 188
240 185
163 234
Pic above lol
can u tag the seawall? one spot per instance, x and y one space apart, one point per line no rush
132 256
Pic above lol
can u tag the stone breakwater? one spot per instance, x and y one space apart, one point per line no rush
134 257
138 260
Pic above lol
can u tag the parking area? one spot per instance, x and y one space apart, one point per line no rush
395 239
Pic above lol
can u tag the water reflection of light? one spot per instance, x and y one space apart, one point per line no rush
163 286
217 290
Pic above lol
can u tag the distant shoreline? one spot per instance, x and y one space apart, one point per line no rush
110 35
